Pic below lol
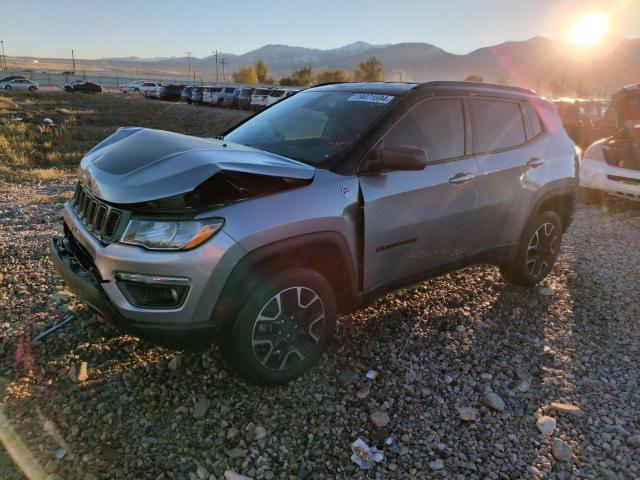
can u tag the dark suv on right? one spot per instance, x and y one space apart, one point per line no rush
317 205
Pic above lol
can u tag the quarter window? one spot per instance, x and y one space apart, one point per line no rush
495 125
535 126
437 126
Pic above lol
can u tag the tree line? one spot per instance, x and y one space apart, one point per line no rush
367 71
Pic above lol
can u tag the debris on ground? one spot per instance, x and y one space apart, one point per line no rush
372 375
364 456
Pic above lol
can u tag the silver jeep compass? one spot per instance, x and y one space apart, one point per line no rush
258 239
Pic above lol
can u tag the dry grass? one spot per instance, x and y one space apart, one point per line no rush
31 151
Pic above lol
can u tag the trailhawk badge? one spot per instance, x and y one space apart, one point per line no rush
346 192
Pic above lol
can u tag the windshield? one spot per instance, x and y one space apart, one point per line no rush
313 127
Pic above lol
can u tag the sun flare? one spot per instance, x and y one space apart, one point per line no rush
589 29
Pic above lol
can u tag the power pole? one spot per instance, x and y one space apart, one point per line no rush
4 57
223 61
216 54
189 63
73 60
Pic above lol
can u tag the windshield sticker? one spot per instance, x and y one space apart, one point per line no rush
370 98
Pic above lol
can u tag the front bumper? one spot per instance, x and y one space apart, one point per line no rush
89 269
619 182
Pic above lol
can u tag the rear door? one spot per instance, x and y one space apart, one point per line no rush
416 221
507 145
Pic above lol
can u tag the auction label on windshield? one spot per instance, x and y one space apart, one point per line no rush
370 97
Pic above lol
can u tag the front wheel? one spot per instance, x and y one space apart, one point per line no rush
537 252
282 328
7 87
32 89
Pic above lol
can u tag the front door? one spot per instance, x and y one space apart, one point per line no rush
416 221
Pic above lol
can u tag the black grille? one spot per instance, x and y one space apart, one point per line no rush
99 218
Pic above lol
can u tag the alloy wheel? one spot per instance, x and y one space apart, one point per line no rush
288 328
542 249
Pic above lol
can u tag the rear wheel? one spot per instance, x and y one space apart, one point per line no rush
7 87
537 252
282 328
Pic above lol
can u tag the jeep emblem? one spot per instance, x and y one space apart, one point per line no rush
346 192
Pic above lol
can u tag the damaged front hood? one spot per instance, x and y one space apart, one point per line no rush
139 165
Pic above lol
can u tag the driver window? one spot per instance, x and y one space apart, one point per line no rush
436 126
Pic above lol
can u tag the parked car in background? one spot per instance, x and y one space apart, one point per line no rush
611 165
278 94
11 77
185 94
139 86
82 86
19 84
244 98
259 98
196 95
225 99
211 95
170 92
184 241
583 120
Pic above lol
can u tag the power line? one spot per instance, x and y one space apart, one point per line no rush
189 63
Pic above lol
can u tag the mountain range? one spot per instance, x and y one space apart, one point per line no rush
533 63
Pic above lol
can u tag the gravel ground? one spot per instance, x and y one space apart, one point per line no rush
467 398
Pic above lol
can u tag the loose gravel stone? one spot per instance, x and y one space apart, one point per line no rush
546 425
467 414
566 408
201 407
379 418
133 418
561 450
493 401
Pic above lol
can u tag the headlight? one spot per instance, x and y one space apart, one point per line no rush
170 234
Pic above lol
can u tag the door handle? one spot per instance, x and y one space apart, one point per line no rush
461 178
535 162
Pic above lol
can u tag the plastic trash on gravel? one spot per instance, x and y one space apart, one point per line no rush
365 456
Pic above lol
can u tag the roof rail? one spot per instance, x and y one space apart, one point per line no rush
454 83
326 83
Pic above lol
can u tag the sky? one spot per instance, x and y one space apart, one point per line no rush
165 28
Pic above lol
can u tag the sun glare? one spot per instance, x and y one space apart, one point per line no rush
589 29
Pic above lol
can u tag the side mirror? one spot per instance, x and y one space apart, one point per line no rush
397 157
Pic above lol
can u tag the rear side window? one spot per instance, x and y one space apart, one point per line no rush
437 126
535 127
495 125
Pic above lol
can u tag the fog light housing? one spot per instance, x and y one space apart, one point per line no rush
153 291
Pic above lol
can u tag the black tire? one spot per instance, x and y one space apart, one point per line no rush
32 89
591 196
7 87
537 252
292 334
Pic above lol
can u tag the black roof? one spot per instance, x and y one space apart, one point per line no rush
402 88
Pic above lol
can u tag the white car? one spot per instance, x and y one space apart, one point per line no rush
259 98
211 95
19 84
139 86
611 166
